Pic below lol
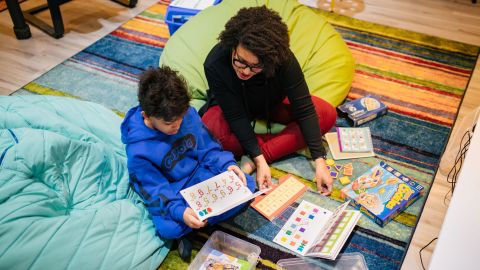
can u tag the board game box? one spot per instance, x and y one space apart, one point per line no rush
362 110
382 193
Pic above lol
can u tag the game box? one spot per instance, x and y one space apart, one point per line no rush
382 193
362 110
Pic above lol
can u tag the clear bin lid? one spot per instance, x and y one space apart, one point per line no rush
345 261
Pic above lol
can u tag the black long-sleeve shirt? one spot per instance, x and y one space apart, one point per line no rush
242 101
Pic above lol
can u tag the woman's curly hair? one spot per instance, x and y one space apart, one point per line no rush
261 31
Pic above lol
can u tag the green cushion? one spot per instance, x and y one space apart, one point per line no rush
323 55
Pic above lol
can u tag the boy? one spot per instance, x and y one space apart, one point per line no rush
169 149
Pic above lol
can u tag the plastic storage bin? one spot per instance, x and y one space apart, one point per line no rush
179 11
246 253
345 261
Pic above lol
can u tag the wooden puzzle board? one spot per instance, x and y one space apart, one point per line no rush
275 202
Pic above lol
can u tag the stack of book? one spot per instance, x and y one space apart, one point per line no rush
349 143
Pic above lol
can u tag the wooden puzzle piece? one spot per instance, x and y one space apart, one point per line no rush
347 172
344 180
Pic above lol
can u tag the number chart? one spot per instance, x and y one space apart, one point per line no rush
216 195
280 198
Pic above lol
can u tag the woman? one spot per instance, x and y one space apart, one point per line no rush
252 74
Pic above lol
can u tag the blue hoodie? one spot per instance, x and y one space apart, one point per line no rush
161 165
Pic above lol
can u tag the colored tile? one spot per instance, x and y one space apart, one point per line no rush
298 219
302 213
297 236
333 174
311 216
330 162
289 232
344 180
302 230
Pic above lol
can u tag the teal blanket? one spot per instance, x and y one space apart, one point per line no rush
65 202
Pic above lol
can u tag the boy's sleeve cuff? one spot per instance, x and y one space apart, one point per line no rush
177 213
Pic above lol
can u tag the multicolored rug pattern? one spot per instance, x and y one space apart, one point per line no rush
422 79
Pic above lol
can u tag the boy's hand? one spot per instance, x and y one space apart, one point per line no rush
238 172
323 178
264 177
192 220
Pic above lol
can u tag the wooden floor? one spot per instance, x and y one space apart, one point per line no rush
87 21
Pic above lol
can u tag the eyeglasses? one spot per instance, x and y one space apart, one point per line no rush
241 64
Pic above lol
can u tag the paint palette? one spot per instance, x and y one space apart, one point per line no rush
315 231
218 194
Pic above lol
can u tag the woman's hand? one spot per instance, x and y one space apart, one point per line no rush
323 177
192 220
264 177
238 172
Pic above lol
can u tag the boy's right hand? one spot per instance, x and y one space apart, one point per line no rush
192 220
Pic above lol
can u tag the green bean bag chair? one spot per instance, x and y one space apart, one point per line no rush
323 55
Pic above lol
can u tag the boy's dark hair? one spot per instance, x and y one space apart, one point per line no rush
162 93
261 31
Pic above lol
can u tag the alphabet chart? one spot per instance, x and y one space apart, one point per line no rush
315 231
216 195
274 203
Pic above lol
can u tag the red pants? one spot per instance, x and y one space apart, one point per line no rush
273 146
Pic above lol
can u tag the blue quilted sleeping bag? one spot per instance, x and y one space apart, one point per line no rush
65 202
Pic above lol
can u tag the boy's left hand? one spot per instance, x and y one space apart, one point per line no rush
238 172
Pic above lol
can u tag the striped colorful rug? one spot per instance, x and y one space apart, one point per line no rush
421 78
